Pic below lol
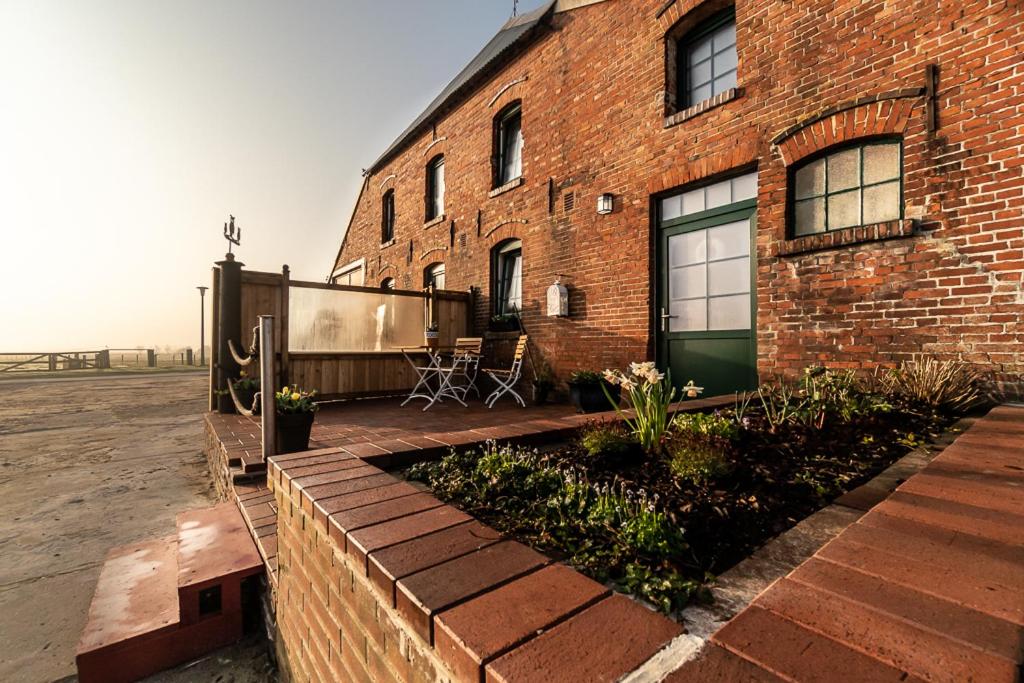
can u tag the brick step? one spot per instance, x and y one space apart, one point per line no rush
253 463
162 602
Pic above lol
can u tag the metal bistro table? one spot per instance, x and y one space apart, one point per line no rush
434 381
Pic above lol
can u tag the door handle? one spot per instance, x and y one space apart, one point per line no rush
665 317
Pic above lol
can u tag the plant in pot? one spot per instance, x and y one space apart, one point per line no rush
587 392
543 383
432 336
245 390
506 322
295 411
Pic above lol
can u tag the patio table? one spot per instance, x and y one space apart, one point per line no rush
435 370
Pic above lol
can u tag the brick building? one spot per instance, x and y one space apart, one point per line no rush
790 182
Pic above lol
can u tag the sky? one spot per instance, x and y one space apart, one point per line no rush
130 129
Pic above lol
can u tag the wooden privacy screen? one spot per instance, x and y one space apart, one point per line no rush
341 374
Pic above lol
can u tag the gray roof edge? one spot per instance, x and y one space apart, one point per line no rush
513 33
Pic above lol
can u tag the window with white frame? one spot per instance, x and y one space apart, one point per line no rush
852 186
508 278
509 141
433 276
351 274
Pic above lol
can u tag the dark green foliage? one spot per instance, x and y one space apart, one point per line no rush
697 462
606 439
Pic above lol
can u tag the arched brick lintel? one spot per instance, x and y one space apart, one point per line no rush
434 255
506 230
686 171
885 117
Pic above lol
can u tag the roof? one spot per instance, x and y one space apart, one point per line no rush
515 32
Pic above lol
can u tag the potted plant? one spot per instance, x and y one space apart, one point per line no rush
245 390
432 336
506 322
543 383
587 392
295 411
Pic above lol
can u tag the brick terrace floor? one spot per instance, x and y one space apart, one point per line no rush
928 585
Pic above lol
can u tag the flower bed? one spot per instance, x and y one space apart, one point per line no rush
658 506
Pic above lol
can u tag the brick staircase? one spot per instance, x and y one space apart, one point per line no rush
165 601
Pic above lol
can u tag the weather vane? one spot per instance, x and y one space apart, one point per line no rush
515 7
232 234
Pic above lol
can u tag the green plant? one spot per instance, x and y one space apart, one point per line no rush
711 425
650 398
606 438
294 400
543 377
950 386
246 383
585 377
697 462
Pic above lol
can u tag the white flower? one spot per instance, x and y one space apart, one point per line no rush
611 377
627 384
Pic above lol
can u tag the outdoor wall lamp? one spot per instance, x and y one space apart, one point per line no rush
605 203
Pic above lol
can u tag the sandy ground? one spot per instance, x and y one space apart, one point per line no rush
86 466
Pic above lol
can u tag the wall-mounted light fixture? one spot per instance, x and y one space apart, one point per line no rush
605 203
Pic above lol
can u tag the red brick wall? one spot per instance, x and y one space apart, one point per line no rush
594 121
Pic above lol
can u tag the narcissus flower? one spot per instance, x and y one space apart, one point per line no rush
296 396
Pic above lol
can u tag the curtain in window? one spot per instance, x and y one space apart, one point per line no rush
511 292
512 148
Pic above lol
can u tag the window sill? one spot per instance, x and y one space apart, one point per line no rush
847 236
510 185
701 107
434 221
389 243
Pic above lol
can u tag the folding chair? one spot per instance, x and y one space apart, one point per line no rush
466 363
506 379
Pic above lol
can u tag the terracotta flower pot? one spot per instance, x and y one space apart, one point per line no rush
292 432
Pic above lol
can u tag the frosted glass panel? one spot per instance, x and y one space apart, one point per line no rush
744 187
728 277
719 194
881 162
730 313
326 320
844 170
687 248
693 201
688 316
844 210
882 202
688 282
671 207
726 81
810 216
702 93
731 239
725 61
701 72
810 180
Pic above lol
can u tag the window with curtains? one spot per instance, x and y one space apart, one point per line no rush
847 187
508 278
387 217
706 59
387 283
435 188
508 140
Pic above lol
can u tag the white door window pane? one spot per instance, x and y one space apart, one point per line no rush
688 282
810 180
881 162
719 194
687 249
729 312
844 170
844 210
693 201
688 316
810 216
744 187
672 207
729 240
729 277
882 202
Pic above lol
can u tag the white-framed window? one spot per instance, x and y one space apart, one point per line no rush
433 276
509 140
349 274
854 185
508 278
707 59
435 188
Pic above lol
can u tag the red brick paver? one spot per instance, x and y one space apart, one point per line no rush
928 585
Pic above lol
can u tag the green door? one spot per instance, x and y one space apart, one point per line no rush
706 303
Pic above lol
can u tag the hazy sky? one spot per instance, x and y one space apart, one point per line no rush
129 129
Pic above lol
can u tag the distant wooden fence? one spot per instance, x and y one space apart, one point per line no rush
338 374
94 360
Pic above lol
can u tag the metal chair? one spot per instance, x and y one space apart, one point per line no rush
466 364
506 379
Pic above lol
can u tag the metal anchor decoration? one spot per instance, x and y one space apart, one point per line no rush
232 234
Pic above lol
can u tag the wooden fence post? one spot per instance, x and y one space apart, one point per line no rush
228 326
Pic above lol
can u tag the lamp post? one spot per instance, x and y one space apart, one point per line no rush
202 326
